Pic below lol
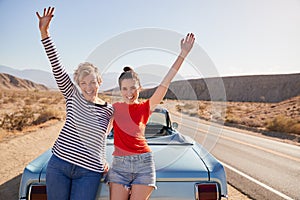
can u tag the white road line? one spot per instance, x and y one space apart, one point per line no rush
257 182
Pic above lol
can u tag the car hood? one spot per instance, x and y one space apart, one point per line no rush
178 162
176 157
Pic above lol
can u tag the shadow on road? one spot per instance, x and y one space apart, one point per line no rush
10 189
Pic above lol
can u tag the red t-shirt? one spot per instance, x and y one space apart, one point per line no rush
129 127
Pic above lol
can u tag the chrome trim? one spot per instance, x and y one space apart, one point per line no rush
180 179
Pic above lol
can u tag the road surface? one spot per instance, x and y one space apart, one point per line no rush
260 167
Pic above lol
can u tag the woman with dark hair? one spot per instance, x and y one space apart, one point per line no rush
133 172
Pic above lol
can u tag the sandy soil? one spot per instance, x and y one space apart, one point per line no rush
18 151
245 115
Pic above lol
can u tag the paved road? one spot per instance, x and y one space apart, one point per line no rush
260 167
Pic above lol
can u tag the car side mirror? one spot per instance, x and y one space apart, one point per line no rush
175 125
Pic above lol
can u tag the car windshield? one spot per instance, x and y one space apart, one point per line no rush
157 125
159 131
157 118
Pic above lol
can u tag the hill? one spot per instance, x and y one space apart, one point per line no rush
47 78
37 76
256 88
10 82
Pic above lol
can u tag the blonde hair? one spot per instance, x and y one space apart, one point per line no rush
85 69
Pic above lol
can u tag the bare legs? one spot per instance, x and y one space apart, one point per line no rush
118 192
137 192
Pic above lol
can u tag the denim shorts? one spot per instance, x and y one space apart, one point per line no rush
134 169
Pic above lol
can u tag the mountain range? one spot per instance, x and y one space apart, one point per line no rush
252 88
255 88
47 79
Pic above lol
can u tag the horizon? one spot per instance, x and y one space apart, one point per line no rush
187 89
182 77
109 78
49 71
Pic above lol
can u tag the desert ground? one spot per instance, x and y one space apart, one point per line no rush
279 121
31 120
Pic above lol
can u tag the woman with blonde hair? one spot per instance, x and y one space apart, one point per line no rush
79 153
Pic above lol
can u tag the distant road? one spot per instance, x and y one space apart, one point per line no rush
262 168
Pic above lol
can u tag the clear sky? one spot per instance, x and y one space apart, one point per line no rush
241 37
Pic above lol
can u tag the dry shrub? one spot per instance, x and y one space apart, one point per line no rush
57 100
232 119
252 123
189 106
12 99
17 120
296 128
179 108
5 100
202 106
186 107
44 100
20 109
28 101
46 115
26 117
284 124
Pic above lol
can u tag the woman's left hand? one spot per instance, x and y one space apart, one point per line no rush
106 168
44 21
187 44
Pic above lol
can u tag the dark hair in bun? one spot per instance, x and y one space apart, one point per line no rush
127 69
129 73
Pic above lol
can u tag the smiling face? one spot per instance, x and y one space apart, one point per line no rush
130 90
88 79
89 86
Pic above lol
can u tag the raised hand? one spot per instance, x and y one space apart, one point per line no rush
44 21
187 44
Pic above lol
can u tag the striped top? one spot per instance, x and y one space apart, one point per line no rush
82 140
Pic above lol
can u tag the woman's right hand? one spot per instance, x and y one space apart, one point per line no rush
44 21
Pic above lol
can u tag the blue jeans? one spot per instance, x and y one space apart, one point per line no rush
66 181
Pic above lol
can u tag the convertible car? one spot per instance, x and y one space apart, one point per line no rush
185 170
